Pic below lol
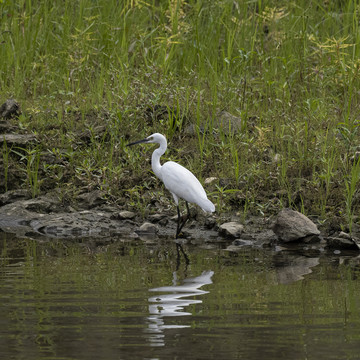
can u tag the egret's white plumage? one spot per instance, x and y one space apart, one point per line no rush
178 180
183 184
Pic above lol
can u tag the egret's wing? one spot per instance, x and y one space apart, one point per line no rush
185 185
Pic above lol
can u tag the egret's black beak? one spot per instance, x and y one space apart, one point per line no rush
138 142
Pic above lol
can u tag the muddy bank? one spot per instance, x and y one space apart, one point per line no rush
46 218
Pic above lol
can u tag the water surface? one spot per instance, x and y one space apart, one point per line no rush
130 299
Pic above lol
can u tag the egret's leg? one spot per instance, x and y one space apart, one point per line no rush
180 226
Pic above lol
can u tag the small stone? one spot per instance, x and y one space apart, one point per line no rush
6 127
156 217
341 243
210 222
242 242
356 241
10 108
161 219
277 158
344 235
124 215
227 122
93 198
232 228
148 228
17 139
210 180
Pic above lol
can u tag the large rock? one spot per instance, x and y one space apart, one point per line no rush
291 225
45 217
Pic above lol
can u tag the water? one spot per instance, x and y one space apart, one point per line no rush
133 300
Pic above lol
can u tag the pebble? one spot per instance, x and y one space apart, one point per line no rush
123 215
148 228
231 228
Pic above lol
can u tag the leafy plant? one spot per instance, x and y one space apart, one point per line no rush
32 160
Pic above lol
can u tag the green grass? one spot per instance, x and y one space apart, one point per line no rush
290 70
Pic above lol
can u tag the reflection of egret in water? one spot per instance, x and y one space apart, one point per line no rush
173 304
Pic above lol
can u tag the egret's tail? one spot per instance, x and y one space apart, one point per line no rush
206 205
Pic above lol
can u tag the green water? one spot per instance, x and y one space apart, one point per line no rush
129 299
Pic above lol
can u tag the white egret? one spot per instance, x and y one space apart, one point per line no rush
178 180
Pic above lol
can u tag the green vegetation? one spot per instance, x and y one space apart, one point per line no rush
92 74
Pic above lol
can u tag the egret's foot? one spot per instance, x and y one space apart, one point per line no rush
180 235
180 227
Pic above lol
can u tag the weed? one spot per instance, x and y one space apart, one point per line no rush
32 159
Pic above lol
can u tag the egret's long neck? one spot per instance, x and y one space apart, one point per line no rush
155 159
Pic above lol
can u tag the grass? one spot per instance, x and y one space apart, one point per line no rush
289 70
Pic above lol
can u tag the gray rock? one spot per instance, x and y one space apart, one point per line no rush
124 215
31 207
340 242
344 235
161 219
192 129
238 244
17 139
45 216
148 228
10 108
291 225
93 198
233 229
6 127
210 180
227 122
156 217
14 195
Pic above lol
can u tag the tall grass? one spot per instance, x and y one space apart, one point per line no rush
290 70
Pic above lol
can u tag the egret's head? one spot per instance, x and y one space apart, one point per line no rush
154 138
